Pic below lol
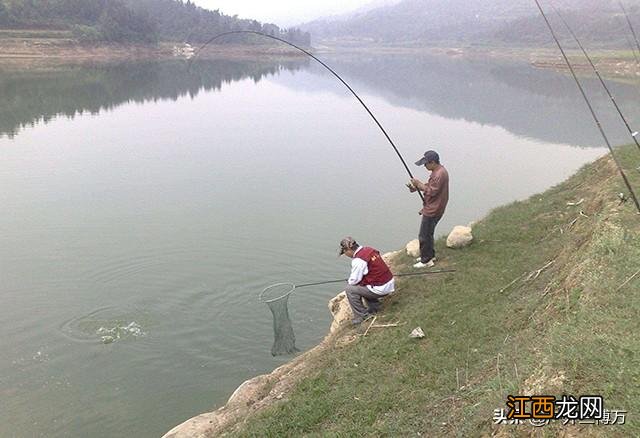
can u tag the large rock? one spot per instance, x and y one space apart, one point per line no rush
413 248
460 237
341 311
389 257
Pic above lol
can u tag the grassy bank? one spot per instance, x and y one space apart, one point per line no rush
535 307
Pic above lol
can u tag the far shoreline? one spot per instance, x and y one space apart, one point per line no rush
41 53
27 53
619 65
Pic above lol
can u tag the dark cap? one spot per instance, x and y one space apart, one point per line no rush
346 244
428 156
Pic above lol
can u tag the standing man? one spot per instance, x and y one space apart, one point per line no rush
436 196
370 279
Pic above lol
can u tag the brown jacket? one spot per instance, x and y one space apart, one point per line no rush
436 193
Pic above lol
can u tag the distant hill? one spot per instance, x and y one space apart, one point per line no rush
511 22
134 20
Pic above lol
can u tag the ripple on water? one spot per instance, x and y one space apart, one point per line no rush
117 332
106 325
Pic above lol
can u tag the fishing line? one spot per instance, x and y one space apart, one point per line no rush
604 85
332 72
593 113
633 49
635 37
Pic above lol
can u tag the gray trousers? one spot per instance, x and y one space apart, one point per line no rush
356 294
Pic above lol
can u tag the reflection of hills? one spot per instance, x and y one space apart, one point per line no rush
30 97
528 102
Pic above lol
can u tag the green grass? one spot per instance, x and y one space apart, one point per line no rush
567 330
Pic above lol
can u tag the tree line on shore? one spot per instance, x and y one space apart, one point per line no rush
141 21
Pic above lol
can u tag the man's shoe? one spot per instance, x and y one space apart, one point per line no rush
419 259
360 319
373 308
429 264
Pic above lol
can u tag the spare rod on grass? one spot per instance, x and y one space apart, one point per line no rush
593 113
332 72
604 85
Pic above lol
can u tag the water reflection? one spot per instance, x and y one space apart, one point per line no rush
30 97
529 102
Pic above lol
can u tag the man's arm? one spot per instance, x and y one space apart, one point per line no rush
434 186
358 270
411 187
418 184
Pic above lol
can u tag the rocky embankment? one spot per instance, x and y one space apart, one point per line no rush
261 391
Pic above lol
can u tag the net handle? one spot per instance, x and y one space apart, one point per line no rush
293 286
286 294
402 274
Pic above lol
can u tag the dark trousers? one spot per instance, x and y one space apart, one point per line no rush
427 228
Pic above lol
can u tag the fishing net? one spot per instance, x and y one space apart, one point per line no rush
277 298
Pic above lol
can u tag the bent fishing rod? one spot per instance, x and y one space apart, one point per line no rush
604 85
330 70
404 274
593 113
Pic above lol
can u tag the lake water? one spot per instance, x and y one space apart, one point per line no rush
144 208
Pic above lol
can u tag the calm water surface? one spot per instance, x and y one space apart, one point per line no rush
145 208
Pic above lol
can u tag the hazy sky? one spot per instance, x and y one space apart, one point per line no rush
282 12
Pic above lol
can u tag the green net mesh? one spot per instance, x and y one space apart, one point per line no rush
277 298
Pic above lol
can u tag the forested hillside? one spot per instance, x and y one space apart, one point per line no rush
508 22
134 20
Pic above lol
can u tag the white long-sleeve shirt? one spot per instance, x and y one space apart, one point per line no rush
359 269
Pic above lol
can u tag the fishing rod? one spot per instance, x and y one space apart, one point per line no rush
604 85
635 37
593 113
633 49
404 274
288 288
332 72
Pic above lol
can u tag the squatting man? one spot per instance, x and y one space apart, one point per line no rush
370 279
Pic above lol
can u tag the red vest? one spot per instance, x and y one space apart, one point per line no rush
379 272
